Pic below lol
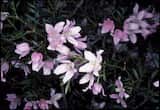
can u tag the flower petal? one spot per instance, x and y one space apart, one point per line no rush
89 56
72 41
61 69
140 15
49 28
63 50
114 96
136 8
116 40
75 30
84 79
68 76
86 68
57 96
133 38
59 26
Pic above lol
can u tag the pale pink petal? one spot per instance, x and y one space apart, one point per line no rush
58 96
114 96
62 68
75 30
46 71
59 26
63 49
72 41
37 66
89 56
91 81
56 104
81 45
107 26
140 15
148 15
133 38
68 76
49 28
123 103
84 79
116 40
88 67
135 9
133 26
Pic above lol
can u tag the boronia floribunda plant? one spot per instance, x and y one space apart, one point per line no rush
73 62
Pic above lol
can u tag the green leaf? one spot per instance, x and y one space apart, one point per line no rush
135 73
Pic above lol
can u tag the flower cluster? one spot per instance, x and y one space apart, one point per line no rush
137 23
73 61
64 32
43 104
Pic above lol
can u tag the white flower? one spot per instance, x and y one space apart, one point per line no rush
91 68
89 77
94 64
66 67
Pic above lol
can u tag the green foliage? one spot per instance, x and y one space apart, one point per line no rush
26 23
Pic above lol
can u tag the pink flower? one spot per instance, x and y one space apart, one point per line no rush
4 70
156 84
97 88
119 36
54 31
121 94
107 26
14 101
120 88
43 104
61 33
56 43
22 49
47 67
131 29
137 23
71 31
119 100
36 60
66 67
54 97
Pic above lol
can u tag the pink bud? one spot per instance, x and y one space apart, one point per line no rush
36 60
107 26
47 67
